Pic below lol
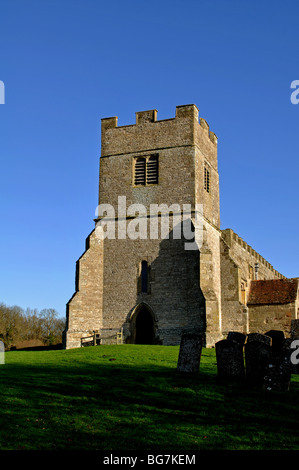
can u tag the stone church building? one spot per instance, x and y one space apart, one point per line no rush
151 289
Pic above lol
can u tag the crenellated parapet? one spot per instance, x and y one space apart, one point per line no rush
186 128
212 136
230 237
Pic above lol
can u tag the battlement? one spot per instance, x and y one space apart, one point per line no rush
231 237
150 133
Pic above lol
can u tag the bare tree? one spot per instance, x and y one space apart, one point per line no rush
52 326
17 325
32 324
10 324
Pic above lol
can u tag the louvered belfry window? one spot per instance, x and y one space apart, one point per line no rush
152 170
140 171
207 180
146 170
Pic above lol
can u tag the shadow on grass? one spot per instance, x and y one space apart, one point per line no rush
112 406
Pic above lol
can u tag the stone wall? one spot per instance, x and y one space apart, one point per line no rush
210 282
84 309
238 261
209 273
148 133
176 179
206 156
173 294
263 317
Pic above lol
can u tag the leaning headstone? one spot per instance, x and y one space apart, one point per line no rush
259 337
230 359
278 372
190 353
258 355
237 336
277 340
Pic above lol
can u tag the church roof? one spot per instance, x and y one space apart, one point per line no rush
273 291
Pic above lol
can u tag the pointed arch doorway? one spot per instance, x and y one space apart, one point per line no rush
143 325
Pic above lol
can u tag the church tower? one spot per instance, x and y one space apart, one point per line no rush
139 275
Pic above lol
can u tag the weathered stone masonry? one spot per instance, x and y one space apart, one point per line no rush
205 291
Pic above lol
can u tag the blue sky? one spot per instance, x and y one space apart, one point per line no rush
68 63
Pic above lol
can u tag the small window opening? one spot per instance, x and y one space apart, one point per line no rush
243 292
144 276
207 180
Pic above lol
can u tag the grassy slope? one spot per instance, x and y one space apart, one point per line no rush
131 397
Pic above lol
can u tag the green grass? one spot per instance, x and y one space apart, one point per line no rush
130 397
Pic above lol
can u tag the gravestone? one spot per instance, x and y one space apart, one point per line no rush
258 354
277 340
190 353
279 369
230 359
236 336
259 337
2 353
